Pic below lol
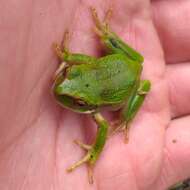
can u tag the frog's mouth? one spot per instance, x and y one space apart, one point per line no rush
75 104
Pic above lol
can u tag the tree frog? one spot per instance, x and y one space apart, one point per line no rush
87 84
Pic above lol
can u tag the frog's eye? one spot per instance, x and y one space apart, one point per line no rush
80 103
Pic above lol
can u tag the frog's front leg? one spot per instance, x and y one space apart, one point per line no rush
94 150
133 105
71 58
112 41
66 57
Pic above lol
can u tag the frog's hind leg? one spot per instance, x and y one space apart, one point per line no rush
133 106
94 150
131 109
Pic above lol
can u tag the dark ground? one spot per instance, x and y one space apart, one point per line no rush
185 185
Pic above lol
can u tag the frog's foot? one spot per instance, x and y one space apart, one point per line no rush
85 159
121 127
62 49
118 126
102 28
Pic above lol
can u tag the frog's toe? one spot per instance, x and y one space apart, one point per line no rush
126 134
96 18
108 16
57 49
65 41
85 159
82 145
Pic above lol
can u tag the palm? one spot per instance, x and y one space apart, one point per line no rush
36 135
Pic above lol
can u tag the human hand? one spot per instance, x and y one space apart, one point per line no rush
36 135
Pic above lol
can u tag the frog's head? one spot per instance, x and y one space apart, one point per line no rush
70 93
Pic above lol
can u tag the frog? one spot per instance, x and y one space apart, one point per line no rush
88 84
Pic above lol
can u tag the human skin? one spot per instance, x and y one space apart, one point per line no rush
36 135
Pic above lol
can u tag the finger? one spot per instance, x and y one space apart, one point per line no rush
176 166
172 19
178 76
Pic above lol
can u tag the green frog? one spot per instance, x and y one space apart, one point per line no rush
86 84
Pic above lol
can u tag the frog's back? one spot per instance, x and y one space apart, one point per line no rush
118 78
107 82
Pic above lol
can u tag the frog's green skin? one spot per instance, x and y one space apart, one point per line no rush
87 84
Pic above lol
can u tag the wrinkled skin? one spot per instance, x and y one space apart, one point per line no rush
36 134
